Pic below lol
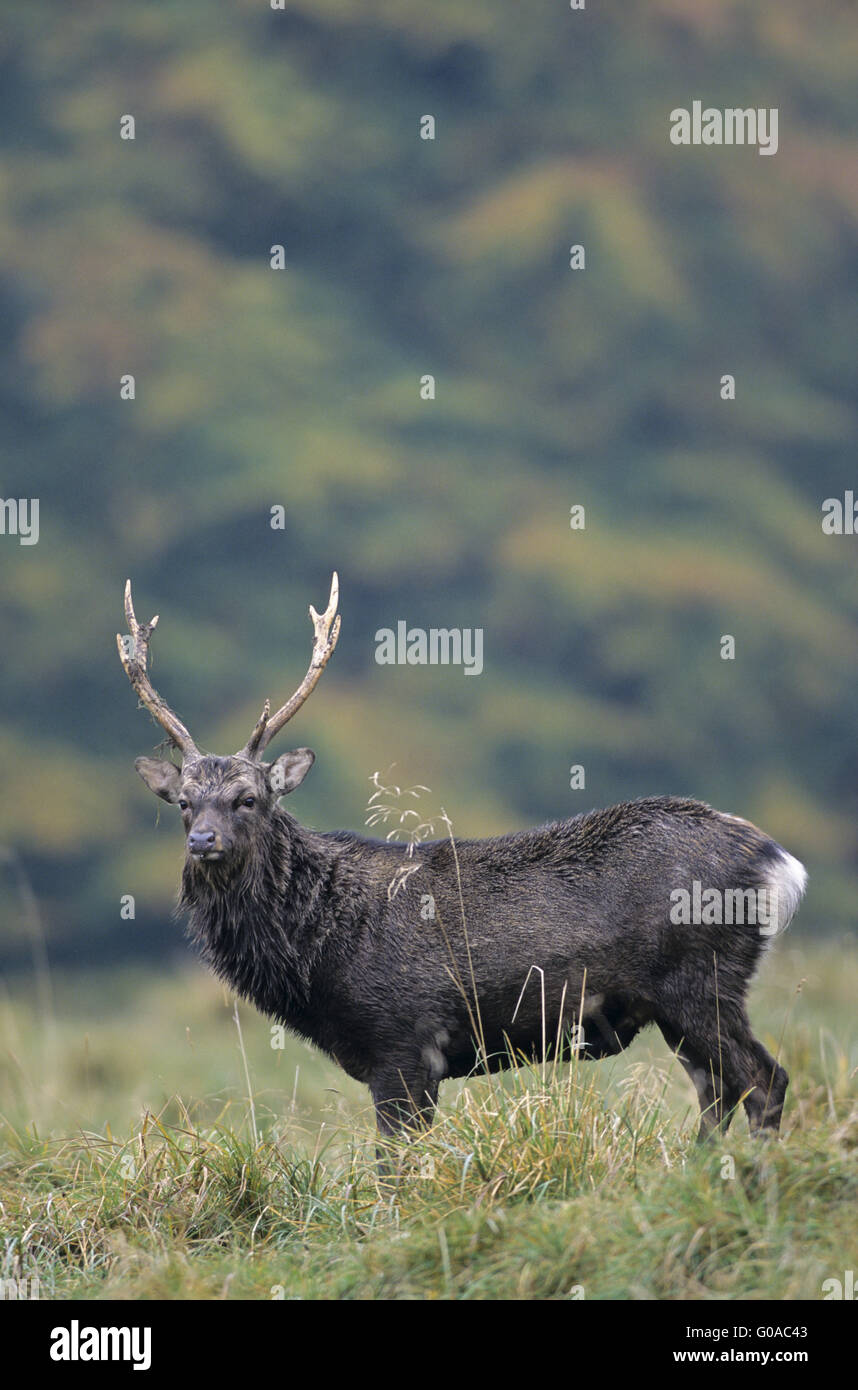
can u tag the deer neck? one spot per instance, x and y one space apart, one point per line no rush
262 925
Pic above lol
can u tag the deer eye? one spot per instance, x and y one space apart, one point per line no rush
183 805
249 801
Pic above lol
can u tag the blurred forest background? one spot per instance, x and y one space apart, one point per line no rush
257 388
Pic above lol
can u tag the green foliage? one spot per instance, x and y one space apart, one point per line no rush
300 388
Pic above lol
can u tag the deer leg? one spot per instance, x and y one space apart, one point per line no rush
404 1101
765 1083
707 1065
751 1074
606 1036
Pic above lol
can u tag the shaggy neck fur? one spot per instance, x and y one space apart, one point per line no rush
262 923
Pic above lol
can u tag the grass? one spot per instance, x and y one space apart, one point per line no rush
544 1183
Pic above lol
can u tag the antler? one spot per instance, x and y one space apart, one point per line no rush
327 630
134 655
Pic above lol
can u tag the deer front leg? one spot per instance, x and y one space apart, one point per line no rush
405 1098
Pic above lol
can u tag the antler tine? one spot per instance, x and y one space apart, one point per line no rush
326 627
134 655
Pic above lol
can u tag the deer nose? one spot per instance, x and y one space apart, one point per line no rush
199 841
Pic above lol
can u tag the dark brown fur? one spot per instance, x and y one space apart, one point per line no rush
402 991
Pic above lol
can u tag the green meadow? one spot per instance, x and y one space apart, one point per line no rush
155 1145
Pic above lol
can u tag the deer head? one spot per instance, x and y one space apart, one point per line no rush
224 800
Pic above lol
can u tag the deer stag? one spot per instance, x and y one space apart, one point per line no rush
302 923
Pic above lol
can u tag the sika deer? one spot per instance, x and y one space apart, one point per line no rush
301 923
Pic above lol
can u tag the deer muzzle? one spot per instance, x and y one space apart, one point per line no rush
205 843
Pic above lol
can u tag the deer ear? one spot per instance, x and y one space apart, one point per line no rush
164 779
290 769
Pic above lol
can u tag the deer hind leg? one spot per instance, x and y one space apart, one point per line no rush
765 1083
709 1065
753 1075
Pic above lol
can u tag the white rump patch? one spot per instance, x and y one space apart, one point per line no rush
788 879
